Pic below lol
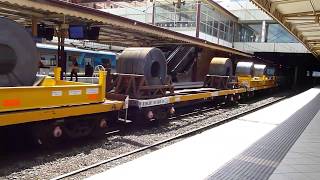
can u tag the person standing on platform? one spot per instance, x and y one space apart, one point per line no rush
74 69
88 70
106 63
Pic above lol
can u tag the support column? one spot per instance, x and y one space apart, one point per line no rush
62 61
233 33
264 31
203 62
295 80
198 17
153 12
218 33
34 27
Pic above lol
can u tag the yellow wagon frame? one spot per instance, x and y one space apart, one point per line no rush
53 99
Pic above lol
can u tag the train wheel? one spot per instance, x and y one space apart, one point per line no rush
162 115
248 95
157 116
79 127
48 135
237 98
172 111
251 93
230 100
101 127
150 115
243 97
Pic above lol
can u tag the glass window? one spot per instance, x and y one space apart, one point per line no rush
209 30
215 32
278 34
202 27
221 35
169 17
203 17
216 24
221 27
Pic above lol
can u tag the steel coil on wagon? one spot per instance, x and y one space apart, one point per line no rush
18 55
244 69
221 66
259 70
147 61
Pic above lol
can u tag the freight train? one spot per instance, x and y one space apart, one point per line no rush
141 91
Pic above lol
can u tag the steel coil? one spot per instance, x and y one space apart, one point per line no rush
221 66
18 55
270 71
259 70
244 69
149 62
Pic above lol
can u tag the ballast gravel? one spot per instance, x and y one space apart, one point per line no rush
46 164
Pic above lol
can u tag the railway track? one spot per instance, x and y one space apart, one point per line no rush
168 140
29 162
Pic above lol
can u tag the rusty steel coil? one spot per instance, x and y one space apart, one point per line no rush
147 61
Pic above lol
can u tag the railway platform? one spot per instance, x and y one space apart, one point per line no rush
281 141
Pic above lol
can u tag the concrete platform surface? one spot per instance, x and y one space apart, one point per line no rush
200 156
303 159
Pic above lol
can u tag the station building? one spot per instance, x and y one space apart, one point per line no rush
236 24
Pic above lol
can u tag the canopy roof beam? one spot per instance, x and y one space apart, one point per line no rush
299 17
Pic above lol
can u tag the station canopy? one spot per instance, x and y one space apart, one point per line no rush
114 30
300 17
